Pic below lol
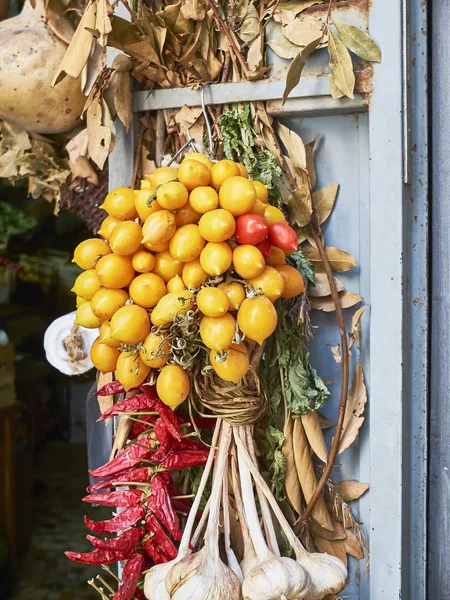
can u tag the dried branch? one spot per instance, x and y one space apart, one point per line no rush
160 135
137 158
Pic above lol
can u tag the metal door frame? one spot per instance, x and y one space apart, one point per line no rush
398 274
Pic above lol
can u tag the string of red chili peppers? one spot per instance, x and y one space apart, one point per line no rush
148 525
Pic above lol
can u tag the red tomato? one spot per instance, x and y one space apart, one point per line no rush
251 229
283 236
264 247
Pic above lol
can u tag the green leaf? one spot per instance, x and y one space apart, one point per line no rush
341 66
358 41
14 222
303 265
276 438
296 67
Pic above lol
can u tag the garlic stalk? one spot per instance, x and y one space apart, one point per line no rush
273 578
155 580
231 556
203 575
328 574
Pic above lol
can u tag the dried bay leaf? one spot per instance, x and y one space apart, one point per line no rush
294 146
339 533
327 304
357 398
122 97
310 166
303 30
99 137
283 47
313 431
352 490
341 66
255 55
353 546
291 482
249 28
355 331
83 168
296 67
333 547
293 8
323 201
193 9
103 20
104 402
336 351
340 260
335 92
322 286
299 206
325 423
359 42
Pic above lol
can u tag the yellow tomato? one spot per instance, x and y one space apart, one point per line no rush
272 215
204 199
119 203
216 258
242 170
187 243
172 385
193 274
155 350
223 170
172 195
115 271
248 261
159 227
262 192
105 335
162 175
293 281
145 184
200 157
259 208
235 292
88 252
143 262
217 332
276 257
108 227
175 303
257 318
130 370
104 357
237 195
186 215
157 247
270 282
175 284
130 324
213 302
193 173
126 238
217 226
166 266
105 302
86 318
80 300
147 290
87 284
231 364
144 209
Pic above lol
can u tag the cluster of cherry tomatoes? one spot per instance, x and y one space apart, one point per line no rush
201 237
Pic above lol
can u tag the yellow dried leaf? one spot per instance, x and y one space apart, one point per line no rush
299 206
335 92
340 260
193 9
356 325
358 41
352 490
333 547
291 482
283 47
323 201
310 166
336 351
303 30
122 97
255 55
103 21
78 145
357 398
100 137
341 66
313 431
327 304
294 146
292 8
353 546
322 286
296 67
104 402
83 168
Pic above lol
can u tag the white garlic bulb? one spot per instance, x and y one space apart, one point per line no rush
276 579
328 574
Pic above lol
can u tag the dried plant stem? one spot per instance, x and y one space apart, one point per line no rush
160 136
137 158
317 235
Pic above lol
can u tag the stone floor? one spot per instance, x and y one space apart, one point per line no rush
45 573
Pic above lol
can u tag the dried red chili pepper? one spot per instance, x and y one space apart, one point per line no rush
128 540
158 545
185 459
127 518
114 387
130 578
99 557
121 498
139 594
170 420
134 404
160 503
144 425
124 461
141 475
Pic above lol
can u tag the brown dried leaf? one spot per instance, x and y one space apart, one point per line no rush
333 547
57 22
323 201
352 490
77 54
303 30
291 9
100 137
104 402
313 431
310 166
340 260
144 51
291 482
122 97
255 55
299 206
94 66
357 398
341 66
193 9
296 67
294 146
283 47
250 25
357 318
327 304
83 168
336 351
322 286
338 533
78 145
186 117
353 546
103 21
325 423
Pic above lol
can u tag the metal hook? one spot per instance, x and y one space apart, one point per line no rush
206 116
190 142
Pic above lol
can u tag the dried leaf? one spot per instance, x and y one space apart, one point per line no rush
358 41
340 260
336 351
311 425
291 482
341 66
292 9
193 9
335 92
14 137
294 146
333 547
144 51
77 54
104 402
355 331
307 475
100 137
323 201
57 22
303 30
353 546
122 97
123 430
83 168
299 206
78 145
310 166
339 533
296 67
327 304
357 398
283 47
94 66
103 21
325 423
255 55
322 286
352 490
250 25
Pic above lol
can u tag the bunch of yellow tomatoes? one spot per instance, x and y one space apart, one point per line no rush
201 237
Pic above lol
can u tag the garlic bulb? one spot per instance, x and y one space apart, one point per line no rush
67 345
